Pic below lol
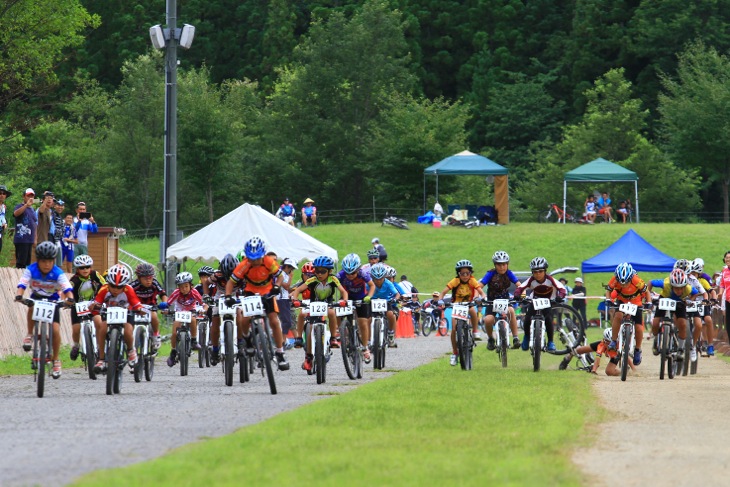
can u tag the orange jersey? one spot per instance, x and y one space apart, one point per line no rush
259 278
602 350
630 292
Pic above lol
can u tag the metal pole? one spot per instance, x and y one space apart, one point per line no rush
170 209
374 217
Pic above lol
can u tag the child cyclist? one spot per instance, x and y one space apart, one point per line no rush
118 293
384 289
629 288
86 283
258 270
600 348
45 281
307 272
498 281
696 269
359 287
148 289
218 280
322 287
674 287
543 286
184 298
464 288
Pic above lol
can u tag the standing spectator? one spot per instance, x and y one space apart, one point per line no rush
604 207
579 300
4 193
284 281
44 232
26 224
565 283
287 212
58 224
84 223
381 250
67 242
309 213
406 285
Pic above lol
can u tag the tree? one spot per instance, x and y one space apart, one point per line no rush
695 115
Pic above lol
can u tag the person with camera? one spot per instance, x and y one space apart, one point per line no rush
44 213
26 224
84 223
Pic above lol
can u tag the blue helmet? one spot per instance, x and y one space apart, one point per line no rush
324 261
351 263
378 271
624 273
255 248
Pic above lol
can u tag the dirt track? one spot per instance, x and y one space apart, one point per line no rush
670 432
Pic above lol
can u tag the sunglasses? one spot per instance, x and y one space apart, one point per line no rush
321 271
84 267
112 286
465 273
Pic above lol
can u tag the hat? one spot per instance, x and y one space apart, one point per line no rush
375 240
579 279
30 191
435 293
308 200
60 202
286 198
5 188
290 262
46 194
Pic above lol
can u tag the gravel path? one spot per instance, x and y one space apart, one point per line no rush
669 432
96 431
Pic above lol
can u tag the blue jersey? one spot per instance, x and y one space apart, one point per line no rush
357 286
45 286
498 284
386 291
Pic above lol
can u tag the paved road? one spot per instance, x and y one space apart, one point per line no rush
76 428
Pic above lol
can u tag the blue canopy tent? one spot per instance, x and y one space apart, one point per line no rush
468 163
631 248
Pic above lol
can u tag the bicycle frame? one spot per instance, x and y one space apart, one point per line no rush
669 330
627 334
538 304
82 311
317 320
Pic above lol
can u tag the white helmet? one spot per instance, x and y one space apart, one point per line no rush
607 334
700 263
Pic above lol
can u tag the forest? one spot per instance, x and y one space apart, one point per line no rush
346 102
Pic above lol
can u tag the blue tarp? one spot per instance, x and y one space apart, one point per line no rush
631 248
427 218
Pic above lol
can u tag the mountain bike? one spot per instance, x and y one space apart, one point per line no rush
626 337
570 330
464 334
144 344
253 307
693 310
228 342
555 213
538 338
184 340
395 221
431 322
317 338
203 339
88 348
116 318
350 341
667 340
500 330
42 317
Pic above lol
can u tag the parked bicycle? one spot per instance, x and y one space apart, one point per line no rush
396 222
555 213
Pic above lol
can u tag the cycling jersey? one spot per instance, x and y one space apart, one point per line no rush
462 292
45 285
386 291
148 295
126 299
185 302
498 284
322 291
306 294
86 288
258 278
357 286
549 288
667 291
630 292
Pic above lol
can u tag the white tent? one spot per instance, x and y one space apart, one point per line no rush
228 234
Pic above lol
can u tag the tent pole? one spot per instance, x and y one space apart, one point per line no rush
437 186
636 198
424 193
565 198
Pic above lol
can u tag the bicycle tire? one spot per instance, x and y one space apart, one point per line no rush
546 216
693 365
428 326
183 345
228 359
570 320
349 348
42 353
90 354
139 339
203 352
244 373
537 347
149 360
264 345
120 364
626 350
319 362
377 323
460 345
468 348
503 343
663 352
111 361
686 361
443 327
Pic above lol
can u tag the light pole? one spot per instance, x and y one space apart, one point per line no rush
168 39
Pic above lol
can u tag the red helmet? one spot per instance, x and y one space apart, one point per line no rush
308 268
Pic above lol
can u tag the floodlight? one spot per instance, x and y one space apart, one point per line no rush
186 36
157 37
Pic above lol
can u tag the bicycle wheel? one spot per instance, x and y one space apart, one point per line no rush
228 359
183 346
319 362
503 342
686 361
149 360
461 344
264 348
428 325
377 346
570 327
537 348
203 352
139 340
546 216
663 344
42 353
349 348
243 370
443 327
626 331
693 365
90 354
112 359
468 345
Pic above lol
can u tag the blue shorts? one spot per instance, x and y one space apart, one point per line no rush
68 254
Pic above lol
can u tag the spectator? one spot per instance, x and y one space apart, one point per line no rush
68 240
604 207
623 211
26 224
579 300
309 213
44 213
84 223
438 210
285 281
565 283
381 250
58 224
407 286
287 212
4 193
590 207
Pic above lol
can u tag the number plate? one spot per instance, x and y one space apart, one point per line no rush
461 312
82 308
667 304
183 316
317 308
43 311
224 310
628 308
540 303
252 306
691 307
144 317
344 310
116 315
379 305
500 305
